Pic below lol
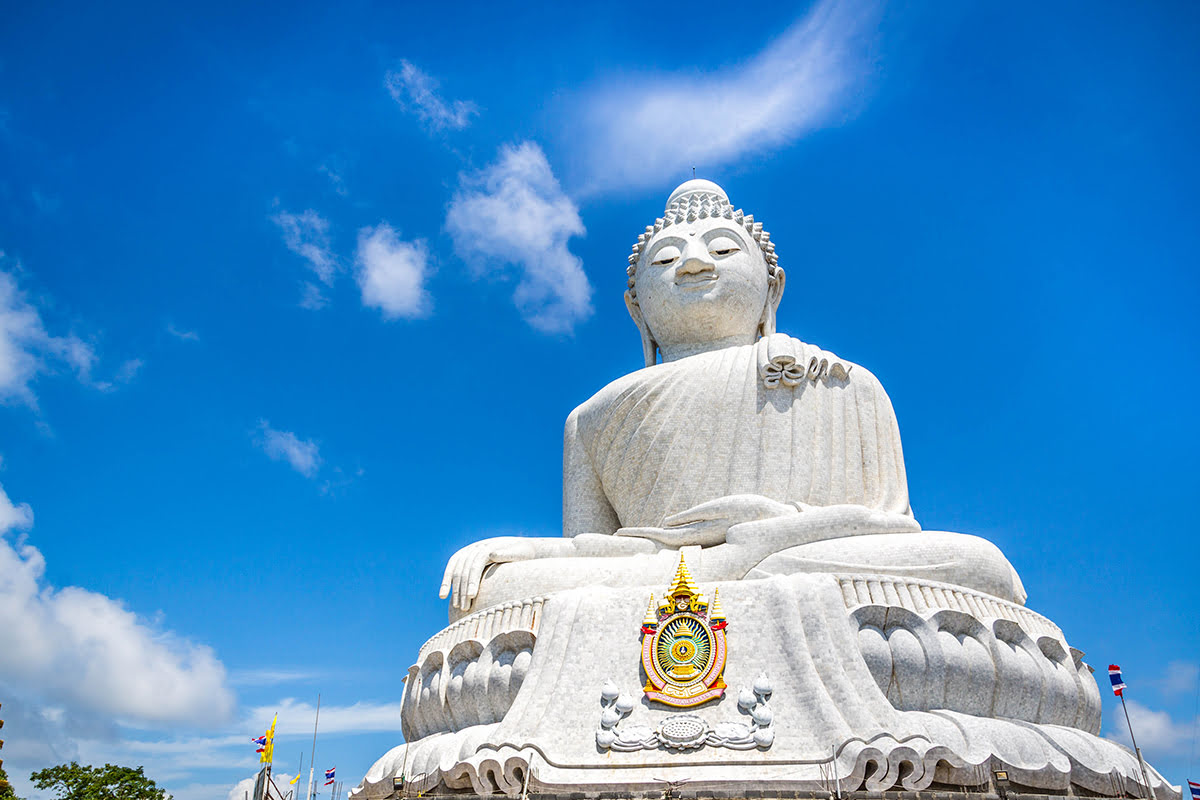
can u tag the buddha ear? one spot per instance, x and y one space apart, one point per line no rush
775 281
649 346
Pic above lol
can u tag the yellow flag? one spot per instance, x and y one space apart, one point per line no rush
268 753
293 780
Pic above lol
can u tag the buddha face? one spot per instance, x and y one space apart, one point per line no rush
701 282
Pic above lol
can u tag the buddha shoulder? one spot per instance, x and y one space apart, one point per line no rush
775 363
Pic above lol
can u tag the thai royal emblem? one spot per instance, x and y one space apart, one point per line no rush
683 645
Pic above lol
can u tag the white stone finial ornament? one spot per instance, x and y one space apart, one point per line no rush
696 186
775 469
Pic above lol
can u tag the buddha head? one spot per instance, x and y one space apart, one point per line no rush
703 276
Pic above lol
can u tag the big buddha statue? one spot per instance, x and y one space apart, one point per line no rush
742 596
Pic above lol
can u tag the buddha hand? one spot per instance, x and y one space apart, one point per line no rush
465 569
708 523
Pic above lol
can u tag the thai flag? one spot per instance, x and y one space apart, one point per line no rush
1114 675
329 776
1195 787
261 741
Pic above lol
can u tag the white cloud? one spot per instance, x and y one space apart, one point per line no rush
245 787
83 678
336 179
1157 734
296 719
86 651
1180 678
28 350
46 735
313 297
307 235
267 676
642 131
514 214
416 91
392 272
125 375
12 516
302 454
129 370
180 333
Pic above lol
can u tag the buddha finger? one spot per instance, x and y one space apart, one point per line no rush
464 582
706 533
705 512
448 577
472 571
713 512
457 583
476 575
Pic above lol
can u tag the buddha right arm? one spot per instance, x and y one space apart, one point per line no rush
585 506
464 572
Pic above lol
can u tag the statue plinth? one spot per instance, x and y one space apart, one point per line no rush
887 679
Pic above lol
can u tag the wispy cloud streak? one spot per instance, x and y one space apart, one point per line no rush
307 235
644 131
180 333
1159 735
303 455
28 350
416 91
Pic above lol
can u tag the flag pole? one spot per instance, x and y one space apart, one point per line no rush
313 760
1137 750
299 772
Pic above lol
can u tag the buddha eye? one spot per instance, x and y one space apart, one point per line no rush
723 246
665 256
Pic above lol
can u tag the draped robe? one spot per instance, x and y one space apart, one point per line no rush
669 437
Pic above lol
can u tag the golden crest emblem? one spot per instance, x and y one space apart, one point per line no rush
683 645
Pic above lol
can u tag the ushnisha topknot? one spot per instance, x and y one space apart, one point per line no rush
701 199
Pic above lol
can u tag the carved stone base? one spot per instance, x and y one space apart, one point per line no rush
876 683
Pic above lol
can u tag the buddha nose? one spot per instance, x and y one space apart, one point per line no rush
696 258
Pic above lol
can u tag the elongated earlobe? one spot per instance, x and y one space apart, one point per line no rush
775 281
649 346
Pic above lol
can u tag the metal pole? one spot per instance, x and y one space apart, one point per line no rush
525 783
837 784
1136 749
404 770
313 760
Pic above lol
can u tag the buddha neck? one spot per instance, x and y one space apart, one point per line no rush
674 352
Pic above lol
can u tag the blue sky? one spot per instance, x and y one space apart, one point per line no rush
294 303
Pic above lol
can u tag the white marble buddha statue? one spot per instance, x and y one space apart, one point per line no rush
773 471
760 453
